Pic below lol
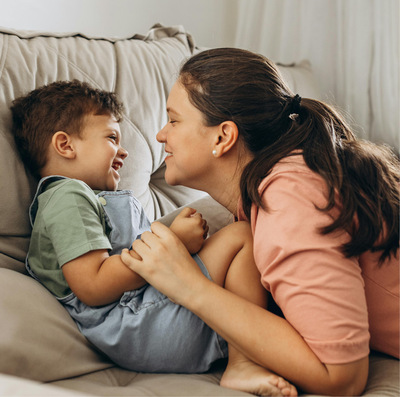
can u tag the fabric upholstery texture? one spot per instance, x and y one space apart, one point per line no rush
38 339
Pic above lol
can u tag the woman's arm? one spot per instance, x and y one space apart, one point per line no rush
271 342
265 338
98 279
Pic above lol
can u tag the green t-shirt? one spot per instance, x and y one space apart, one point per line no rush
69 223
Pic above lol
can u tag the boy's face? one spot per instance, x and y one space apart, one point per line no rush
99 154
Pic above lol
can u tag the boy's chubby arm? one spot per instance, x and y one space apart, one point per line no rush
190 228
98 279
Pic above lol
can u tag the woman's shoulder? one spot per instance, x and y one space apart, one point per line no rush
292 169
293 186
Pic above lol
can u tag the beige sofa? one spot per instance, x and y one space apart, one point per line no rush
41 351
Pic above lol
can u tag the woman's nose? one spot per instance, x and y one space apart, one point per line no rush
161 135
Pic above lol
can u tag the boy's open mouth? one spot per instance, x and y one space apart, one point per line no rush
117 165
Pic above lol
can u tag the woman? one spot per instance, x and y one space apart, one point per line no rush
323 208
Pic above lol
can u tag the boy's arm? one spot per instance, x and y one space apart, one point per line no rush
191 229
98 279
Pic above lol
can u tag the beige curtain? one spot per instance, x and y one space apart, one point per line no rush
353 45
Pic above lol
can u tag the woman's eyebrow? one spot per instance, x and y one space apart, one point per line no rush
171 110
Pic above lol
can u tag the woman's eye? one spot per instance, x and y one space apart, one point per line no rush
172 121
113 137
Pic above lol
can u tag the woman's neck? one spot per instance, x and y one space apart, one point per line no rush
224 187
229 197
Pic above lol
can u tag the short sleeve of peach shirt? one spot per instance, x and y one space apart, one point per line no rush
320 292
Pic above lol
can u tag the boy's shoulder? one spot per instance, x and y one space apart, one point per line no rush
57 194
59 191
62 185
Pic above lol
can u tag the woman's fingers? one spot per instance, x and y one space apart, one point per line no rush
165 262
161 231
150 247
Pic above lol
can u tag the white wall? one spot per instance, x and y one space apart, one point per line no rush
211 22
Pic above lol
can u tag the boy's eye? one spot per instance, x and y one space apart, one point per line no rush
113 137
172 121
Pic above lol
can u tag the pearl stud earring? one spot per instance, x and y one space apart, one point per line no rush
214 152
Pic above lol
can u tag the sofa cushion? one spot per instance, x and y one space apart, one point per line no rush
383 381
39 340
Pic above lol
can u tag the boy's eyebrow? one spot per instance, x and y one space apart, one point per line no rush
115 131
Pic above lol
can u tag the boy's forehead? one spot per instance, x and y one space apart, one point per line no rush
101 118
103 121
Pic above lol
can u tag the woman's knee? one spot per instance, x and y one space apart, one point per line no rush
241 231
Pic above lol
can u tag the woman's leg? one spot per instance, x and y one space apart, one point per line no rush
228 256
270 338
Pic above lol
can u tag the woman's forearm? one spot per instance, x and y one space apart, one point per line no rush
272 342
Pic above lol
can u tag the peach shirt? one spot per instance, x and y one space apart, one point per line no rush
321 293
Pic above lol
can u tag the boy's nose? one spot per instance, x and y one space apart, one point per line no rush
123 153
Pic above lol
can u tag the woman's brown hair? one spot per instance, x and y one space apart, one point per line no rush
246 88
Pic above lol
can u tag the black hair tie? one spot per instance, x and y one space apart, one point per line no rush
295 107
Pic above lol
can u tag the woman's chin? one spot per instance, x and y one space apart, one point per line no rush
171 182
170 179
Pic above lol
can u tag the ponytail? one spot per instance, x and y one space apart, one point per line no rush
365 175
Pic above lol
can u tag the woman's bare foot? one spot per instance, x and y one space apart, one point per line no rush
249 377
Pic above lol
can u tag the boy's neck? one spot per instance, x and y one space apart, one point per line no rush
57 165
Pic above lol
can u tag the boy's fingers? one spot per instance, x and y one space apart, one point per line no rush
197 215
186 212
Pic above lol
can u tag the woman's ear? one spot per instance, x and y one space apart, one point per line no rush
226 138
63 145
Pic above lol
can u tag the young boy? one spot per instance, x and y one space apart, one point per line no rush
68 135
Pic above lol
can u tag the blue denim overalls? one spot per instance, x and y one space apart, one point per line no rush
143 331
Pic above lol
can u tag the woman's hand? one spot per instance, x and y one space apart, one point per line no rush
165 264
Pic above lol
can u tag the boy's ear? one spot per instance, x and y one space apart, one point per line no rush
63 144
226 138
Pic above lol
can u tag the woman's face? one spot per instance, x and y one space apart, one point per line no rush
188 142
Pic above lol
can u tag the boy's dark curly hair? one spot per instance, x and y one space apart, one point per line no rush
59 106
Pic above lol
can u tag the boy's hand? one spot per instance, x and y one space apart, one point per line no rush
191 229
